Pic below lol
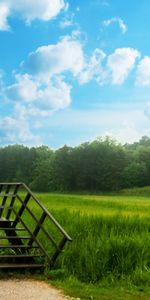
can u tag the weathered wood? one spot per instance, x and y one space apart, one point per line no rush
21 266
18 246
12 229
4 199
12 201
19 214
14 237
17 256
49 237
60 248
22 255
37 228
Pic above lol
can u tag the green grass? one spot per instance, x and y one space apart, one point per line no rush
104 205
115 291
109 257
110 253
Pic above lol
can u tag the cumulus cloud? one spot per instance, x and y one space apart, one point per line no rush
114 69
24 89
46 61
41 85
120 63
117 20
43 88
143 72
93 68
16 128
30 10
39 99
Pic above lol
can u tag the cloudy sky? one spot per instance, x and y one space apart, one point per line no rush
73 70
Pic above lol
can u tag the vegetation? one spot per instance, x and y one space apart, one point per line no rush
111 240
101 165
110 253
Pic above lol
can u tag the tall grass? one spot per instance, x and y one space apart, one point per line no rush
111 236
105 247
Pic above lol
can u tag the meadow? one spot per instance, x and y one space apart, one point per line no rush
109 257
111 243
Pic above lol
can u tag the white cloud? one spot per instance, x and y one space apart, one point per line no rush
24 89
126 134
41 87
66 55
147 110
100 118
93 68
117 20
38 98
55 96
125 123
16 129
143 72
116 69
30 10
4 12
120 63
67 21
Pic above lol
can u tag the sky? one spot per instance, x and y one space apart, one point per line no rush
74 70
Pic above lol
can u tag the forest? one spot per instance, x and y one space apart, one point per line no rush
97 166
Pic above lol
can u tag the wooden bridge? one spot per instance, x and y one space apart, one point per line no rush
30 237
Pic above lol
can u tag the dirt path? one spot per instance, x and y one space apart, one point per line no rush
16 289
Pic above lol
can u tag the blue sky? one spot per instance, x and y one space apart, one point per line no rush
72 71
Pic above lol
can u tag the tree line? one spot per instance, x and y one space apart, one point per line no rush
100 165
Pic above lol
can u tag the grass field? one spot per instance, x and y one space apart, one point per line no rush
109 257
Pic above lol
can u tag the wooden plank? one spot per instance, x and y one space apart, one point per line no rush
44 215
21 210
49 215
18 246
12 201
37 228
18 266
60 248
5 223
7 195
5 198
20 256
36 241
1 187
12 229
15 237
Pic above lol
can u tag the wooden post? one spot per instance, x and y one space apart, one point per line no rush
20 212
37 228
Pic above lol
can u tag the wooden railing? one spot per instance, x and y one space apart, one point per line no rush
21 207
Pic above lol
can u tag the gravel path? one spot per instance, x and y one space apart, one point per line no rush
16 289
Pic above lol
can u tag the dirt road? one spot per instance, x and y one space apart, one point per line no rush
26 289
